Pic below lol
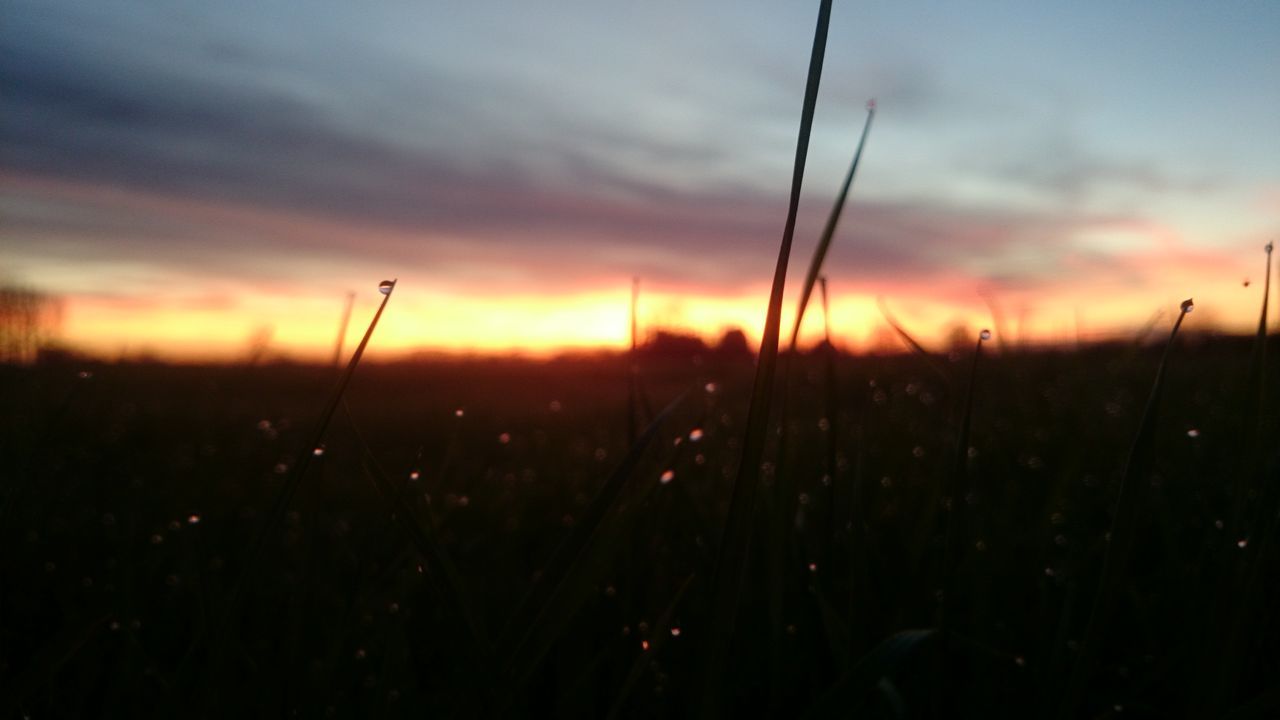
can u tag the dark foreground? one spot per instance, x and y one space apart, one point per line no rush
512 560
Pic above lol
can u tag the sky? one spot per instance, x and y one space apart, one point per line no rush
191 176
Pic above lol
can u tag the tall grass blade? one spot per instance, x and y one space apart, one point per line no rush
1134 489
829 231
342 328
317 433
633 366
831 412
956 499
1251 423
274 516
732 557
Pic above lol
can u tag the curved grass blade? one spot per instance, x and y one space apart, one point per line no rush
1134 490
918 349
884 660
732 555
829 231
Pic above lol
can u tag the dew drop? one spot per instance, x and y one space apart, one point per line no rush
459 412
318 451
193 519
1188 305
1242 543
157 539
710 388
1270 246
281 468
1193 433
415 475
695 435
644 644
386 286
985 335
813 567
667 476
504 438
84 374
675 632
464 501
1218 524
601 454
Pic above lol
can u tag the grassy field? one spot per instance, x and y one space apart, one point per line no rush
454 550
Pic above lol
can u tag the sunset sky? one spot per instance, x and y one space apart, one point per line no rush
189 174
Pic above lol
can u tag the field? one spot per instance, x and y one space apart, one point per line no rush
416 571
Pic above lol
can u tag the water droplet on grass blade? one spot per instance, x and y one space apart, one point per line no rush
1242 543
1270 246
667 476
675 632
386 286
695 435
318 451
193 519
985 335
1193 433
1188 305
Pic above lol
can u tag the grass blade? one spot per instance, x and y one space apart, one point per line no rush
223 638
732 556
317 433
1124 531
916 347
661 633
956 495
342 328
829 231
851 690
553 600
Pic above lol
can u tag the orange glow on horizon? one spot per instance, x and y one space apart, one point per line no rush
305 327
